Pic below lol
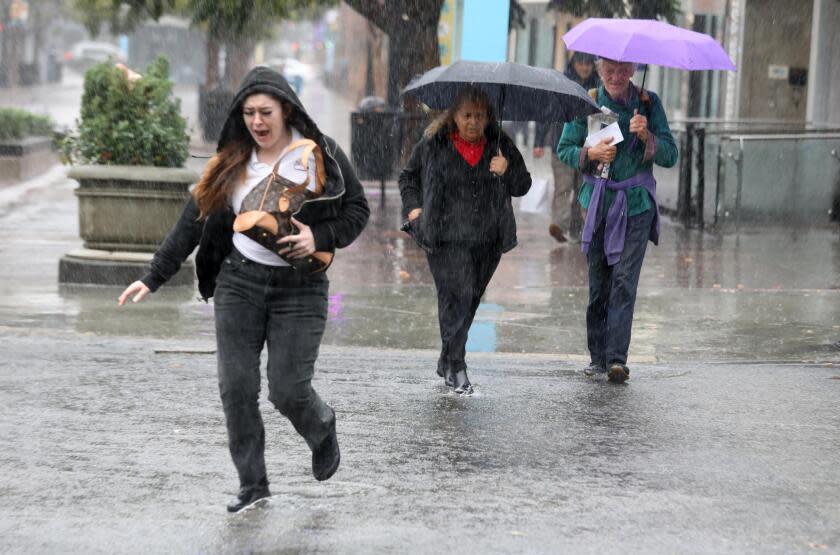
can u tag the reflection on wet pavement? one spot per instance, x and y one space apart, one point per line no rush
123 446
769 295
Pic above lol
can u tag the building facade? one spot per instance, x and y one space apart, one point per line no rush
785 52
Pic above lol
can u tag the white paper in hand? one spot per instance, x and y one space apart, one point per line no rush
611 130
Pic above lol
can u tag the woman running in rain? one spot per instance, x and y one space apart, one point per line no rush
275 175
456 191
622 214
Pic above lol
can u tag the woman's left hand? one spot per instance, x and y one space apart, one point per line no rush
300 244
498 164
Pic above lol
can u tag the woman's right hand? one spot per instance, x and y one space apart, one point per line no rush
414 214
603 152
138 289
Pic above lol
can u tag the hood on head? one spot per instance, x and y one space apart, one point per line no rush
262 80
265 80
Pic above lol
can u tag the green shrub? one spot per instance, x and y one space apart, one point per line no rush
129 123
15 124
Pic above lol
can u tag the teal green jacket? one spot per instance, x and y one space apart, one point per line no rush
627 162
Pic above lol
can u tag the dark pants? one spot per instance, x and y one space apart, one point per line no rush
612 291
461 273
258 305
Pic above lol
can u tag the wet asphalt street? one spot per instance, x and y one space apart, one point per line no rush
725 440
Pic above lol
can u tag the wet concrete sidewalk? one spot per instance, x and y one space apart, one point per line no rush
725 439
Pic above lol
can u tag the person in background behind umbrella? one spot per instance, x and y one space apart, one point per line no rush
456 191
622 213
565 219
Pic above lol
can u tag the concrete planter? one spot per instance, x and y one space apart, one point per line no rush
125 213
129 208
26 158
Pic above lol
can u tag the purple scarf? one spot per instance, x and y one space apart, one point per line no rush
616 223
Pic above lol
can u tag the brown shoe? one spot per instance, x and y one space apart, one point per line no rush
555 231
618 373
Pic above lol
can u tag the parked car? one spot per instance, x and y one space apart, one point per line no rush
85 54
296 72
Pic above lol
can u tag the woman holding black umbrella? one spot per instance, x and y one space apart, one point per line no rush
456 193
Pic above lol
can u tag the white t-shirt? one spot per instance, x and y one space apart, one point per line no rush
290 168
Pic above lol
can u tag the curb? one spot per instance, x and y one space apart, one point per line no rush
11 194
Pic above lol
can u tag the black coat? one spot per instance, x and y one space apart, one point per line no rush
336 218
462 204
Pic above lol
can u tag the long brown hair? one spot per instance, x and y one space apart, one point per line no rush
227 169
447 118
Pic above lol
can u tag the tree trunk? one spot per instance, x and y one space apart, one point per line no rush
211 78
237 60
413 50
12 56
411 26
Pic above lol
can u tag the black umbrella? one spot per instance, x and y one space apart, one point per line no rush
519 92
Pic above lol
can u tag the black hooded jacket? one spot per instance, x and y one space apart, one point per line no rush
462 204
336 218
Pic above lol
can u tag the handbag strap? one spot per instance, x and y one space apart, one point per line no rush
310 146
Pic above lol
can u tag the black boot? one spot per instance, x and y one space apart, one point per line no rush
594 369
326 457
247 496
461 383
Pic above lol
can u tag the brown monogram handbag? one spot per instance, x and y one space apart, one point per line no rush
267 210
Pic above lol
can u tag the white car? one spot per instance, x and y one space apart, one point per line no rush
85 54
296 72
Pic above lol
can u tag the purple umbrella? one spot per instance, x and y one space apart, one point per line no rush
647 41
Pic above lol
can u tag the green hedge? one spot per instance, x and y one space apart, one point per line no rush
15 124
129 123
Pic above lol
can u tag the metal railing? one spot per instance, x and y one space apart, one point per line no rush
701 181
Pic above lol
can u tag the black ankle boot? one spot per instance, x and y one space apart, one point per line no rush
595 369
247 496
461 383
326 457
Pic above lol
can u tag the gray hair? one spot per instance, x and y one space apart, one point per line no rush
602 59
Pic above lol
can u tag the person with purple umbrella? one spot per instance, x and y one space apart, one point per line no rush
619 196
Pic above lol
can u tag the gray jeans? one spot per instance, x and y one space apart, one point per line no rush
258 305
565 212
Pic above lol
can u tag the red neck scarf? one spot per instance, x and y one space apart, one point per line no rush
471 152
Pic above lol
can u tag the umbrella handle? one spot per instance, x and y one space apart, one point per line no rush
499 119
641 108
501 105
